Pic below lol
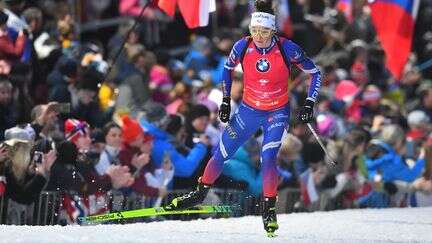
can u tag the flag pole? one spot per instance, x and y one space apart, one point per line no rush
126 38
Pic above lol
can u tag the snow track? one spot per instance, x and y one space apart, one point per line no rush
362 225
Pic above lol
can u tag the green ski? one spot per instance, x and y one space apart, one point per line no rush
157 211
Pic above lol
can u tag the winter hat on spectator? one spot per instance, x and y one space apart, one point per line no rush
346 90
3 18
159 77
67 66
176 122
74 129
197 111
423 87
131 129
326 124
416 121
417 118
371 93
16 135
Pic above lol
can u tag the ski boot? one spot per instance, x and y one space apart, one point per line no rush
191 199
269 216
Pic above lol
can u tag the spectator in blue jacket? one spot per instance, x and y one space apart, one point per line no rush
185 162
385 157
244 166
201 63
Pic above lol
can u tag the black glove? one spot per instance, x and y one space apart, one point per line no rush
225 109
306 112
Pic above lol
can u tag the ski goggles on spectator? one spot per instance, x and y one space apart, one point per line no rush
263 32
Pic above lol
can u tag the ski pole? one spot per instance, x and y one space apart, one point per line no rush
332 162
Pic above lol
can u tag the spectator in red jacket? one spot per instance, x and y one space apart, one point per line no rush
10 51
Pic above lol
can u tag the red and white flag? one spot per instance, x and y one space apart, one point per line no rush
195 12
307 188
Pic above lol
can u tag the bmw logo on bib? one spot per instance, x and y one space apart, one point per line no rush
263 65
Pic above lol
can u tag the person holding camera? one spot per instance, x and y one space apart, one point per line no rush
75 178
170 135
45 118
26 172
75 172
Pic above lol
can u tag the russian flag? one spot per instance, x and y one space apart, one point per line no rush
284 18
394 23
195 12
345 6
307 188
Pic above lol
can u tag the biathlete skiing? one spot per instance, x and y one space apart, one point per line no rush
266 59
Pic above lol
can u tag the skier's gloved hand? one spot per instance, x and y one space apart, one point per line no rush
225 109
306 112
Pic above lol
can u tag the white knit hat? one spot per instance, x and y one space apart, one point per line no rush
417 118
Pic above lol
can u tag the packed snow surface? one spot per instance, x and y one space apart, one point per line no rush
362 225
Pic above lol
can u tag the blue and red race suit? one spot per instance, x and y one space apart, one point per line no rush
265 103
